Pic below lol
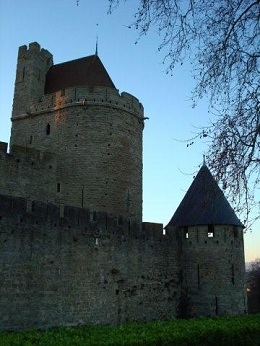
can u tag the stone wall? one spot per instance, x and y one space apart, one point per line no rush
213 269
79 269
29 173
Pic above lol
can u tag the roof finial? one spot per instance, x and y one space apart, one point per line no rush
96 52
204 160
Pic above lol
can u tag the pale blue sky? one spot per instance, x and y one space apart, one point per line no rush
69 32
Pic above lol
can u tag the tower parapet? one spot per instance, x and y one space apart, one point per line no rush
32 66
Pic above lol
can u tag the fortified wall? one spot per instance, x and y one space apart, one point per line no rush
69 266
73 247
27 172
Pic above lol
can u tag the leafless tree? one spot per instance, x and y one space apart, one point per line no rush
253 286
221 40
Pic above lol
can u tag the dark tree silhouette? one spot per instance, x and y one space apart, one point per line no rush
253 286
221 39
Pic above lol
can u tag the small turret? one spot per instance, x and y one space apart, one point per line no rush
210 251
32 66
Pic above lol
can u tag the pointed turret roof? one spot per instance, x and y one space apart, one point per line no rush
87 71
204 204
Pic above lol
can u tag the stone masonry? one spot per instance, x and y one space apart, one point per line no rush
73 247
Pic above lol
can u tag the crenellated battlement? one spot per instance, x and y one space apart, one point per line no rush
20 154
3 147
83 96
34 48
28 172
210 236
93 223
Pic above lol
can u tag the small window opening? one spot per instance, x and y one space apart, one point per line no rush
31 139
94 216
23 72
106 221
120 220
58 187
216 305
186 232
233 274
210 231
48 129
235 230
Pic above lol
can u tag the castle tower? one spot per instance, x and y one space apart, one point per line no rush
32 66
74 111
210 251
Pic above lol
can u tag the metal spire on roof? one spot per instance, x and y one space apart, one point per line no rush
204 160
96 53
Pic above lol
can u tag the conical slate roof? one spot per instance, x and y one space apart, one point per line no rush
204 204
87 71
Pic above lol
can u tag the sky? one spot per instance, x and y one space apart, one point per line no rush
70 32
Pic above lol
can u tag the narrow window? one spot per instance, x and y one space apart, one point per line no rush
216 305
94 216
106 221
58 187
23 72
210 231
31 139
120 220
233 274
186 232
82 197
48 129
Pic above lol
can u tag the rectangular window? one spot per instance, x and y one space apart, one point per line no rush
186 232
210 231
58 187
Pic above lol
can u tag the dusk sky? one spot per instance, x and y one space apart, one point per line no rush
69 32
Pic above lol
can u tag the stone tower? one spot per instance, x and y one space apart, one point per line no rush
210 251
74 111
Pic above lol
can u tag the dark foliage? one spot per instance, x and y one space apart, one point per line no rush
253 287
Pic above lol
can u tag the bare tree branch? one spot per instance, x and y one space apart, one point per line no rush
221 40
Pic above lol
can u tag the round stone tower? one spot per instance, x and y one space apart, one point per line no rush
96 132
210 247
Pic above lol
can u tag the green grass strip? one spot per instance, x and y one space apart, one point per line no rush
242 330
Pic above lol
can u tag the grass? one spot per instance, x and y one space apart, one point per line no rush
242 330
